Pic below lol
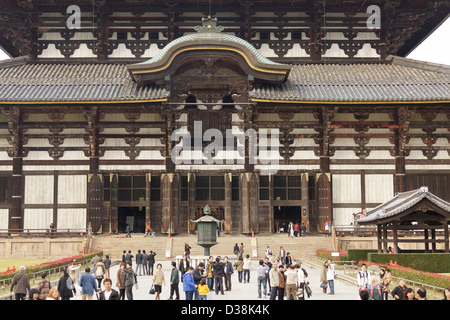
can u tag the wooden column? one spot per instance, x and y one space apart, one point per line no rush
385 238
379 238
191 207
427 248
395 231
305 200
249 196
228 201
170 185
446 236
114 210
14 118
148 184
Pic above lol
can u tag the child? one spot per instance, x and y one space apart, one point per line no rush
203 289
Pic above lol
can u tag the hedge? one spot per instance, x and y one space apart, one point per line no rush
51 264
425 277
431 262
359 254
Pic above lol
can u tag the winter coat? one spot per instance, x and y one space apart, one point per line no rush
21 282
63 288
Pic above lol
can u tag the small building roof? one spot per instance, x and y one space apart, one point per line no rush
401 203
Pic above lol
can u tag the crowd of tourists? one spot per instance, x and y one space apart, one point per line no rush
277 277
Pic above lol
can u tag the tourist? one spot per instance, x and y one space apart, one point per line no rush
53 294
198 275
187 250
399 291
363 277
261 271
240 268
210 277
323 277
268 251
120 283
203 290
44 287
246 267
107 263
139 256
174 281
145 262
129 257
158 281
99 272
301 281
447 293
281 282
218 272
288 258
74 271
282 256
269 265
296 230
130 280
228 272
303 230
291 229
94 261
66 286
128 230
241 250
409 294
109 293
364 294
151 261
188 284
184 266
124 257
88 284
148 231
422 293
327 229
236 249
274 281
385 281
375 289
291 283
33 294
330 276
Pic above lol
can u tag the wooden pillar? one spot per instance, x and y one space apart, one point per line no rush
148 197
271 212
395 237
114 210
427 248
385 238
249 196
379 238
305 200
446 237
191 205
170 215
228 201
14 118
433 237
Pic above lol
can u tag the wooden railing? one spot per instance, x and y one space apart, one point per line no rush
43 233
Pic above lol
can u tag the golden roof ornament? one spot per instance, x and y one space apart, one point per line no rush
209 24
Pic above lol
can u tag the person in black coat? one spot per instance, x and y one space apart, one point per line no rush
66 287
151 261
218 272
228 271
184 266
108 293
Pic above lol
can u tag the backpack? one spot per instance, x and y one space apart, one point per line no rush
304 271
99 271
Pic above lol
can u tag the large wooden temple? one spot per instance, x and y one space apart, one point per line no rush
87 115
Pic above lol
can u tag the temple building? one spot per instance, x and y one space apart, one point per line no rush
116 112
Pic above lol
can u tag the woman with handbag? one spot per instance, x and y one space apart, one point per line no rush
385 278
158 280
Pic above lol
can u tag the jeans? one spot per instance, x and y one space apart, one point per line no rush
210 282
262 281
331 284
129 292
189 295
174 289
240 276
247 273
203 297
218 279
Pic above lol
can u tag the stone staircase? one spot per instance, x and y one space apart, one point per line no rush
169 248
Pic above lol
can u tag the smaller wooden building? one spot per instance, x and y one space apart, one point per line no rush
413 210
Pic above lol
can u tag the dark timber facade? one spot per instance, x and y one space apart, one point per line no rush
87 115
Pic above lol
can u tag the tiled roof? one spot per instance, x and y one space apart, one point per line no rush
36 82
401 80
402 202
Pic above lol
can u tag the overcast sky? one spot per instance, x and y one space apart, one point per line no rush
436 48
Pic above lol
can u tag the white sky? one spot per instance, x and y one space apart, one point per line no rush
436 48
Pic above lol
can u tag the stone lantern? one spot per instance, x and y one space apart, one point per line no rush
206 230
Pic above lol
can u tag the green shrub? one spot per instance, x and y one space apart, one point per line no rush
431 262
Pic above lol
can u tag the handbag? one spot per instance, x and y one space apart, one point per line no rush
323 285
308 290
152 290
